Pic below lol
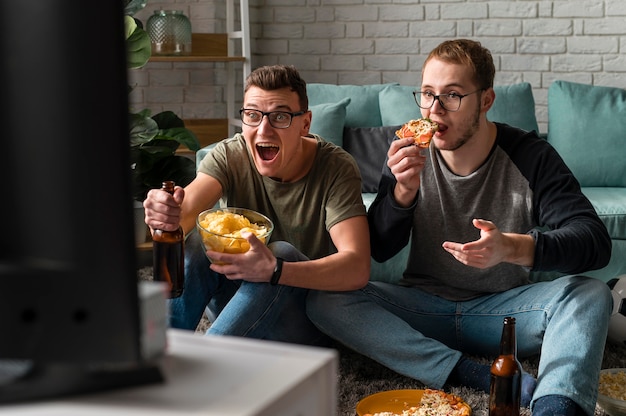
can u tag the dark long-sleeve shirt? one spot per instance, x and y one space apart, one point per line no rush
523 187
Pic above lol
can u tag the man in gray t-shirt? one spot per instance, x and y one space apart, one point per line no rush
484 205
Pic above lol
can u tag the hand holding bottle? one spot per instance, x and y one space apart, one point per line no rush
162 209
168 252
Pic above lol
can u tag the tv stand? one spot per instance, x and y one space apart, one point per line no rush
215 376
32 382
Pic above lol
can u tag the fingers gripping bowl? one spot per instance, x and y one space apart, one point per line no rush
221 228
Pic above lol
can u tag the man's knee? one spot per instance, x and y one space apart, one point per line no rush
196 260
286 251
594 288
590 291
314 302
321 304
600 292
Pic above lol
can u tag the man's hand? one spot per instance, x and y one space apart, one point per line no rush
255 265
162 210
406 162
493 247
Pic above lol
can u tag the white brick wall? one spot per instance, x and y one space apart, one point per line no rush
191 90
374 41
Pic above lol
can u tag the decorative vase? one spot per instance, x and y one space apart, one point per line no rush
170 32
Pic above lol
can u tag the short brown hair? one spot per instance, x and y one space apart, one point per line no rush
275 77
469 53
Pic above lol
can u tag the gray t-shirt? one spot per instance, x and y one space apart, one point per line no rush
446 205
302 211
522 187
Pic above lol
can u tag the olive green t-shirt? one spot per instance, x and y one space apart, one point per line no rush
302 211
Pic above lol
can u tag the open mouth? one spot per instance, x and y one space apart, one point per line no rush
267 151
442 128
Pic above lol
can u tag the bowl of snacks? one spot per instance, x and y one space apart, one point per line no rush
221 228
612 391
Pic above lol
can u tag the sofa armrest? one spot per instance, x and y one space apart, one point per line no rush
200 154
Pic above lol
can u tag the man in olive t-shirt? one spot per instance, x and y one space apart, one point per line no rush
311 189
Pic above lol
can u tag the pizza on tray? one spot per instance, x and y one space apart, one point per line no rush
433 403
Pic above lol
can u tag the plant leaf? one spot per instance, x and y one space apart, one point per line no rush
161 146
180 169
142 129
133 6
129 26
173 128
183 136
138 46
168 119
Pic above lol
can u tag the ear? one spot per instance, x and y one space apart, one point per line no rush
306 123
487 99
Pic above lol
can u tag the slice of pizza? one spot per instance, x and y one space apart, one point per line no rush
421 130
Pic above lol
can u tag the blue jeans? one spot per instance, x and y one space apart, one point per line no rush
423 336
254 310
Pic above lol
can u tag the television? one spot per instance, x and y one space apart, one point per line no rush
70 314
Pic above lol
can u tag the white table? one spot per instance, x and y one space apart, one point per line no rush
221 376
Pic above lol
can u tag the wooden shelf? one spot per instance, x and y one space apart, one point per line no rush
205 47
208 130
232 48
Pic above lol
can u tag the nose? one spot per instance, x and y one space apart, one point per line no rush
436 107
265 123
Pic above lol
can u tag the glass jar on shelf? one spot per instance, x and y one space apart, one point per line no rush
170 32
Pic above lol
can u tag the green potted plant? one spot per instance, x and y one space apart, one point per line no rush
154 139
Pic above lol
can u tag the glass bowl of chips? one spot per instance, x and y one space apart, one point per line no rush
612 391
221 228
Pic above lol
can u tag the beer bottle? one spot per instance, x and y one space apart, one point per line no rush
168 254
506 375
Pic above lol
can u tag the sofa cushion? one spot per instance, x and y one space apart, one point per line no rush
514 105
610 204
368 198
587 126
363 110
368 146
397 105
328 120
391 270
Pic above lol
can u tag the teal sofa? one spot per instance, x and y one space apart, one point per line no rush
361 119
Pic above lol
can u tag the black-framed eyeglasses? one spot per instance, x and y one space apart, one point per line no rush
278 119
449 102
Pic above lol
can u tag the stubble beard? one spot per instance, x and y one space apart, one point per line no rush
468 134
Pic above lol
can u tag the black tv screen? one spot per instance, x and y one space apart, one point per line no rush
68 283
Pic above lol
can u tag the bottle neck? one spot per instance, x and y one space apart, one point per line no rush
508 343
168 186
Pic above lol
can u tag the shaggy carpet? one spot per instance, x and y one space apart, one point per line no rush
360 376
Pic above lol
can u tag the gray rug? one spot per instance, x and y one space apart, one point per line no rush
360 376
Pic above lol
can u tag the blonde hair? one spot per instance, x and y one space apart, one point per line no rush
470 54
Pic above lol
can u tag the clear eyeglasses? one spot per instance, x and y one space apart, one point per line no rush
449 102
278 119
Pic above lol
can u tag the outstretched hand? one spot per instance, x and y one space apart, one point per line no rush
255 265
493 247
